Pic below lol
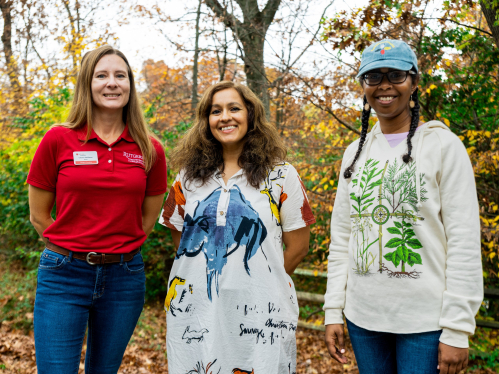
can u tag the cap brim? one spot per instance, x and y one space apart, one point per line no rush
390 64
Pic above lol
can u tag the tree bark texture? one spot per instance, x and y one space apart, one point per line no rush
194 100
490 10
6 6
251 33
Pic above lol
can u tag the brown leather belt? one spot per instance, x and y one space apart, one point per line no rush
93 258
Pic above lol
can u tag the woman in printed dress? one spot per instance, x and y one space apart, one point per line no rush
231 304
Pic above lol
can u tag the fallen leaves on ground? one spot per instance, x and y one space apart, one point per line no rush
146 352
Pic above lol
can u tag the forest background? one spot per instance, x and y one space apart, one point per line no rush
302 68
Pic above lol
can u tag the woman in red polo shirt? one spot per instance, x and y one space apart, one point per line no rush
107 175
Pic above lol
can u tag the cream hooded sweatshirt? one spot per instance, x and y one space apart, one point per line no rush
405 238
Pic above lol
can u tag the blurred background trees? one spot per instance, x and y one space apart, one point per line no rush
300 56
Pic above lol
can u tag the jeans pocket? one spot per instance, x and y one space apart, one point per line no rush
50 260
135 265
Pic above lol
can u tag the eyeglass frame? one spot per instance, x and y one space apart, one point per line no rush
407 73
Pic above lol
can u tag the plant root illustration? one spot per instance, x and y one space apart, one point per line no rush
398 274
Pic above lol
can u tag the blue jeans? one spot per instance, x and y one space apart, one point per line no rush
388 353
72 294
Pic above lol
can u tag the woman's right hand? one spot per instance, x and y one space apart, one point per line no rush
335 342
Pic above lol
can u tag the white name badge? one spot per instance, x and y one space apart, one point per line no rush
85 158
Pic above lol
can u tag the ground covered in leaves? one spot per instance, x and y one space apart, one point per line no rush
146 351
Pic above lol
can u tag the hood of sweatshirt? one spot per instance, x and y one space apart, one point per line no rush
425 128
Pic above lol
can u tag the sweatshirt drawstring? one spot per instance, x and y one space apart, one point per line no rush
368 149
416 160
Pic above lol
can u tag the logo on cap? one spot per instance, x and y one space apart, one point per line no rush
382 47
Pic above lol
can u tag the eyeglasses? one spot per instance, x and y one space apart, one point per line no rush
394 77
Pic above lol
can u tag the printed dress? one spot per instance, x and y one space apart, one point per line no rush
231 307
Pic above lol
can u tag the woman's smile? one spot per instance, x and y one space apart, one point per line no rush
228 129
386 100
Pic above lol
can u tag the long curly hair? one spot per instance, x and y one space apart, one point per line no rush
200 155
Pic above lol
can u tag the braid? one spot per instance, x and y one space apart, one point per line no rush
365 124
414 125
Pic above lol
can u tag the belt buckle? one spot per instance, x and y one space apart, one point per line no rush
88 258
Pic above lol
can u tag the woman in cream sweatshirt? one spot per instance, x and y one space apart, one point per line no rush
404 260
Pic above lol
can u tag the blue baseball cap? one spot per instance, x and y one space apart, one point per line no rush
394 54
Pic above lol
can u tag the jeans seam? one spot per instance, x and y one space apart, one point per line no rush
56 267
135 271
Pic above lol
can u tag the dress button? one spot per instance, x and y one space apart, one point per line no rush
109 161
225 190
221 213
109 149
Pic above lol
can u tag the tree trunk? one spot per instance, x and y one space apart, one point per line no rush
194 100
10 61
254 67
251 33
490 12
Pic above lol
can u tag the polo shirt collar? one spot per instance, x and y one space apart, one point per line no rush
125 135
82 135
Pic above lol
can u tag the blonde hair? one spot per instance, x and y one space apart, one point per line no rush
200 155
82 107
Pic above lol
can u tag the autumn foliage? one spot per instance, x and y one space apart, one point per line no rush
316 113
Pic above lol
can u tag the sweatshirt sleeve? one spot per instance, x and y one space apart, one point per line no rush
460 216
337 268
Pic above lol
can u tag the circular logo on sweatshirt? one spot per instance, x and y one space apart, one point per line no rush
380 214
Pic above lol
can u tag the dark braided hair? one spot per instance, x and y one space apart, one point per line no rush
365 124
414 125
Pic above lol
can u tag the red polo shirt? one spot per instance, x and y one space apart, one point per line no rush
98 205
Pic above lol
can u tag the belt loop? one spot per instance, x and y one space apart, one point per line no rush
70 256
121 260
103 259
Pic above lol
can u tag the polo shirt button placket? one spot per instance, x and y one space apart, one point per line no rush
110 161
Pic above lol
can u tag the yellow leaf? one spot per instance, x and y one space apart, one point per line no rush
439 115
446 121
492 255
432 87
430 71
487 134
428 90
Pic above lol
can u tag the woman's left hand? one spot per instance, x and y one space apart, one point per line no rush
451 360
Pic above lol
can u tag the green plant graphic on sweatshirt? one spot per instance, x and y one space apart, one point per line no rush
404 242
362 225
399 186
395 184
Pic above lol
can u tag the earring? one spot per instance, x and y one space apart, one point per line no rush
412 104
366 107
